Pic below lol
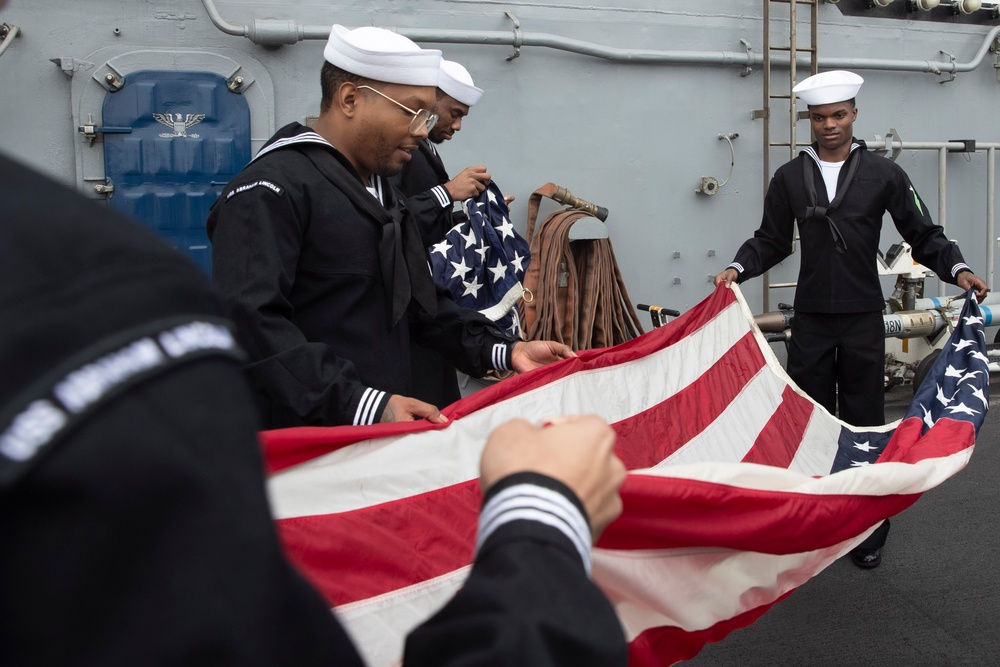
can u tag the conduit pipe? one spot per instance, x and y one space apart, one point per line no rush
12 32
943 147
278 32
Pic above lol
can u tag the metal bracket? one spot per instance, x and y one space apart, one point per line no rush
518 37
968 146
71 66
90 131
951 75
235 84
891 137
106 189
112 80
747 70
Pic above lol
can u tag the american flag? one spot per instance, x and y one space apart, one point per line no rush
740 487
482 260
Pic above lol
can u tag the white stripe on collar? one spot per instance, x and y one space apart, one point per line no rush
375 187
811 152
304 138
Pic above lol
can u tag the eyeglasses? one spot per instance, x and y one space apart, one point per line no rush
422 118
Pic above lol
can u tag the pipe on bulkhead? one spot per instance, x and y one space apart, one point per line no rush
943 147
279 32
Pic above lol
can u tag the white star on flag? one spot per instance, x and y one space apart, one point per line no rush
978 393
952 372
864 446
472 288
973 320
461 268
962 344
860 464
498 271
928 418
442 248
506 229
962 408
516 262
481 251
944 400
470 239
976 354
969 376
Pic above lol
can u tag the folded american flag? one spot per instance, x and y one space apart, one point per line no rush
482 260
740 488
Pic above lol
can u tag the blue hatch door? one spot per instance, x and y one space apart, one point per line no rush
172 140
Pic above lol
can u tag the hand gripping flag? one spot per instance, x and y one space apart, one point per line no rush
482 260
740 487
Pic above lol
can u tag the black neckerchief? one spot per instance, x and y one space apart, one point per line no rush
816 212
399 246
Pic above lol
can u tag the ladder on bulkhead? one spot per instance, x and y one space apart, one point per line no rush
777 12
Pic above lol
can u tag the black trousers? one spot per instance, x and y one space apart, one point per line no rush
839 360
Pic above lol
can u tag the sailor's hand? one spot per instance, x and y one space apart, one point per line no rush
531 354
577 451
727 276
406 409
968 280
469 183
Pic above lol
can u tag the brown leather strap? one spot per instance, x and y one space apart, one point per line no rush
579 295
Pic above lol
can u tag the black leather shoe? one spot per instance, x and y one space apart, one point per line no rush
867 558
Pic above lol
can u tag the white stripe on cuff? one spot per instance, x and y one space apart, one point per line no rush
529 502
442 195
500 357
959 267
365 414
737 266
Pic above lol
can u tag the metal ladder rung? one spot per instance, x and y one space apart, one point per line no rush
798 49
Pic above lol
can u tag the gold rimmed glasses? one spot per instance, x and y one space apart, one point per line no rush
421 117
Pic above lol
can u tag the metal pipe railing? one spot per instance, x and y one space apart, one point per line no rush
277 32
943 147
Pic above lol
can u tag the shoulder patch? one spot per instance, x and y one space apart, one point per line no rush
270 185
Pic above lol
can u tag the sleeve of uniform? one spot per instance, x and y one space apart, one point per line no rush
256 236
428 209
468 340
772 242
529 600
913 221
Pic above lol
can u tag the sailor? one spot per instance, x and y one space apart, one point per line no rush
430 192
838 192
136 527
432 197
320 264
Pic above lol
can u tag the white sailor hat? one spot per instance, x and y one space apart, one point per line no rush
382 55
828 87
456 81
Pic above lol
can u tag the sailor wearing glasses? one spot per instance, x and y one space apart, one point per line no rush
320 264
